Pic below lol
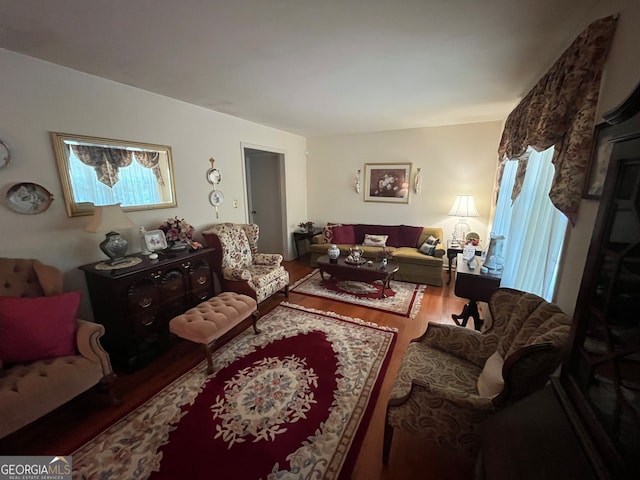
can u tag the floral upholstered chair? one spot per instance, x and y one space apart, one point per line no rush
451 378
241 267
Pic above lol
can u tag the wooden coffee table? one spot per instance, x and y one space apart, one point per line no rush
359 273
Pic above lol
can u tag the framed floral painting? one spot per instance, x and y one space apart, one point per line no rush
387 182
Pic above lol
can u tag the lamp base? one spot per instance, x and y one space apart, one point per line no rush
114 247
460 231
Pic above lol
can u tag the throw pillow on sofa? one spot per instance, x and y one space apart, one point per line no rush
35 328
429 245
375 240
339 234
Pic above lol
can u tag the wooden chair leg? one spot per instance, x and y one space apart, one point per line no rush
255 316
207 352
286 291
386 442
106 387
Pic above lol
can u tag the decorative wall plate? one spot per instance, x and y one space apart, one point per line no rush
5 154
29 198
472 236
214 176
216 198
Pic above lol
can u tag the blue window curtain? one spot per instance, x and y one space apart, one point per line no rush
534 229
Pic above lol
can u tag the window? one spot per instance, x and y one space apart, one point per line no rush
533 228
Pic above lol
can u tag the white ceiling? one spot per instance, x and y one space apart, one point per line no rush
312 67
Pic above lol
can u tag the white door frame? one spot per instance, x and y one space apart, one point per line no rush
283 197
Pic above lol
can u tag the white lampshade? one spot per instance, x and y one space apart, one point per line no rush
464 206
107 218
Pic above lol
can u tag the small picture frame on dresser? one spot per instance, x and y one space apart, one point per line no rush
155 240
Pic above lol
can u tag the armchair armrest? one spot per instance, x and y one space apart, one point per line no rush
465 400
528 370
468 344
439 251
274 259
236 274
88 343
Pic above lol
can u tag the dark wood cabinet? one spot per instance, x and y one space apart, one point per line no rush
135 304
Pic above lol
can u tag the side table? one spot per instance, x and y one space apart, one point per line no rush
300 236
474 285
453 251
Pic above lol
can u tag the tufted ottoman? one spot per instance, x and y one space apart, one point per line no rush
208 321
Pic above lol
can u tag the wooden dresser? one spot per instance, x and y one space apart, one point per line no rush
135 304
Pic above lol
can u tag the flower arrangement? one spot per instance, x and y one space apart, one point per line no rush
385 254
307 225
177 230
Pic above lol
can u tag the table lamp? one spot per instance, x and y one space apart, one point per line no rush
108 218
464 206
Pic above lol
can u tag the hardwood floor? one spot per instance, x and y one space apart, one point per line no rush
67 428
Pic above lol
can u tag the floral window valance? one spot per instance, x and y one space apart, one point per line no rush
107 161
560 111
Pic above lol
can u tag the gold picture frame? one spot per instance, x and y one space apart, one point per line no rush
102 171
387 182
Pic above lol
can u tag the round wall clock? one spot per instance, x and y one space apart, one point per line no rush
5 154
216 198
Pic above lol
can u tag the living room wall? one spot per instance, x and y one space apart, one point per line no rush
453 159
38 97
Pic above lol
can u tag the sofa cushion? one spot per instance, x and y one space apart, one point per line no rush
344 234
37 328
375 240
409 236
399 235
413 256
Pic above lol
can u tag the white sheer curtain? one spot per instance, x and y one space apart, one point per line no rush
534 229
138 187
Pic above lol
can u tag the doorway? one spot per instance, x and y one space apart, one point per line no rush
264 177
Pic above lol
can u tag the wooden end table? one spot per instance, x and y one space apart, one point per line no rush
359 273
299 236
452 253
474 285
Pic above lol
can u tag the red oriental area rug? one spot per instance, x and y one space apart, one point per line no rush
291 402
403 298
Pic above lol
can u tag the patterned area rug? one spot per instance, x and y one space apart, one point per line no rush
291 402
402 298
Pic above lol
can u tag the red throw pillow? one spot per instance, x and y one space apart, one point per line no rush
344 234
39 327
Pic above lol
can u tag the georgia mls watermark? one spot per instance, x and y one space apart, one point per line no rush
41 467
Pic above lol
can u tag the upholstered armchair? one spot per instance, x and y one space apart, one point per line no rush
451 378
241 267
47 355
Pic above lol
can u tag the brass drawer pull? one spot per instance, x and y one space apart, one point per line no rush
201 280
147 322
146 302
